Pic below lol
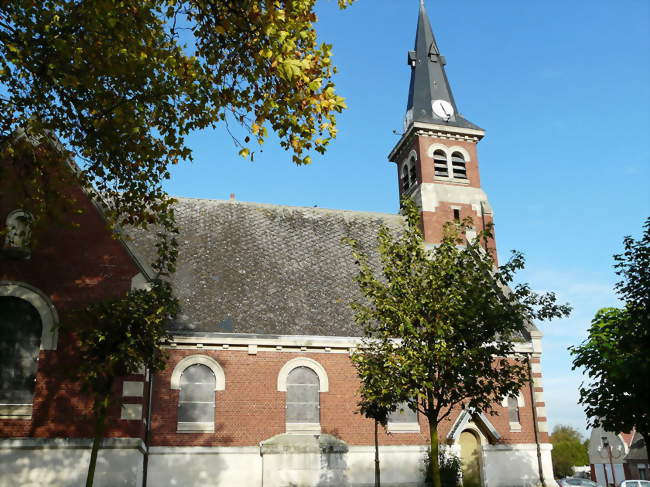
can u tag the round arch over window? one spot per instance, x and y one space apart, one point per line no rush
45 308
220 377
303 362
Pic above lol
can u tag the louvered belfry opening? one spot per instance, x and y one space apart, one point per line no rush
440 164
406 178
458 165
303 401
413 171
196 402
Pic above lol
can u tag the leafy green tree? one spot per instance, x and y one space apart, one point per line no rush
569 450
123 336
120 84
117 86
615 354
440 325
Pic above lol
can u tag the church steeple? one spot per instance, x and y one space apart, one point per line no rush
436 156
430 97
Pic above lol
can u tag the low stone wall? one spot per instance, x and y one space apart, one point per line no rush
39 462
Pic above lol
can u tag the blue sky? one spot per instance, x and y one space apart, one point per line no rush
563 91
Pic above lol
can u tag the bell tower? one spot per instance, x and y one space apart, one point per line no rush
436 157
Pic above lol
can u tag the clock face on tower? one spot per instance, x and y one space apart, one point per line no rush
442 109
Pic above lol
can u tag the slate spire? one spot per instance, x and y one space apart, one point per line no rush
429 81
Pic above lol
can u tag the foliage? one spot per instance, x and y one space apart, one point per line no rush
115 338
450 468
122 83
440 324
122 336
615 354
569 450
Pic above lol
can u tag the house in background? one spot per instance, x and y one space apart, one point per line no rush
259 388
617 457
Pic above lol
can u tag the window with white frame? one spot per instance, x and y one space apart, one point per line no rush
303 379
196 402
303 397
18 227
403 419
20 339
514 405
28 324
197 377
450 162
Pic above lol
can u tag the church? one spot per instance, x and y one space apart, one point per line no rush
259 389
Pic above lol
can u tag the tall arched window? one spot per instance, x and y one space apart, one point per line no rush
440 163
414 174
458 165
303 398
406 178
513 410
20 338
196 401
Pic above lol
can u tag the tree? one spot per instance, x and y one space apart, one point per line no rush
116 87
569 450
440 324
124 336
615 353
121 84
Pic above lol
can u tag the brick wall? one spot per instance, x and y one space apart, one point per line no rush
73 264
251 409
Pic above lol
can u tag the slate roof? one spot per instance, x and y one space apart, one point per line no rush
265 269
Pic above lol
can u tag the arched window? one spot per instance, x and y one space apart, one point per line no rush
513 410
406 178
414 174
196 400
458 165
18 234
440 164
20 338
303 398
514 405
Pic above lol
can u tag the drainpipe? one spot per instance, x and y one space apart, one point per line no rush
147 435
534 404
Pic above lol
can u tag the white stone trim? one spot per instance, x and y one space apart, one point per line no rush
304 428
131 412
203 450
69 443
403 427
132 388
140 281
220 377
16 411
515 426
303 362
45 308
194 427
520 400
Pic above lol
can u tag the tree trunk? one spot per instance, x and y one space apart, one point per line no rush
377 473
100 414
434 464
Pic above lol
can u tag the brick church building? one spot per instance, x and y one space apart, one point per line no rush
259 389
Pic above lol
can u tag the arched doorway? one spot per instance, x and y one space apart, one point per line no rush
470 451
